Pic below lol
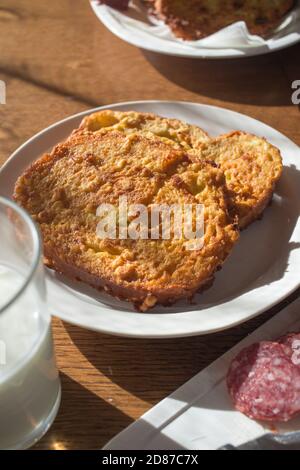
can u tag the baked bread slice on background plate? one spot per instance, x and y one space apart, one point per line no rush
196 19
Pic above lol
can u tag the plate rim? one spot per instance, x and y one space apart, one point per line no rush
158 335
203 53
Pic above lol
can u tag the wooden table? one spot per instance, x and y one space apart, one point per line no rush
57 59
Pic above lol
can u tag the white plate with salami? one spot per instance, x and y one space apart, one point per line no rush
201 416
262 270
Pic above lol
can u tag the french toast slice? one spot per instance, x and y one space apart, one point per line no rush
171 130
252 166
63 190
197 19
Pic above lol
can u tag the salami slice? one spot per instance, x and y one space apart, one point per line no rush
291 344
264 383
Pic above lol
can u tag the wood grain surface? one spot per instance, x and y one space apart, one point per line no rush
57 59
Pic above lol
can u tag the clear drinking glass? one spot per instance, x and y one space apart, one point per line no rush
29 382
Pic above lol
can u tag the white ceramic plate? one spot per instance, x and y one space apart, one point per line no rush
200 414
141 34
263 269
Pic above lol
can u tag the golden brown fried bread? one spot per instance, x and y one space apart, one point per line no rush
196 19
63 190
252 168
185 135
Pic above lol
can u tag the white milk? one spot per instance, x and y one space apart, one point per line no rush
29 384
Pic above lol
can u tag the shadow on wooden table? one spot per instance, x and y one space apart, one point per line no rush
261 80
145 368
81 420
153 369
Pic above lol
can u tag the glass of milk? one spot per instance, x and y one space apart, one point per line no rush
29 382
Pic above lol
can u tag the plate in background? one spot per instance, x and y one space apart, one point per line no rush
147 38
